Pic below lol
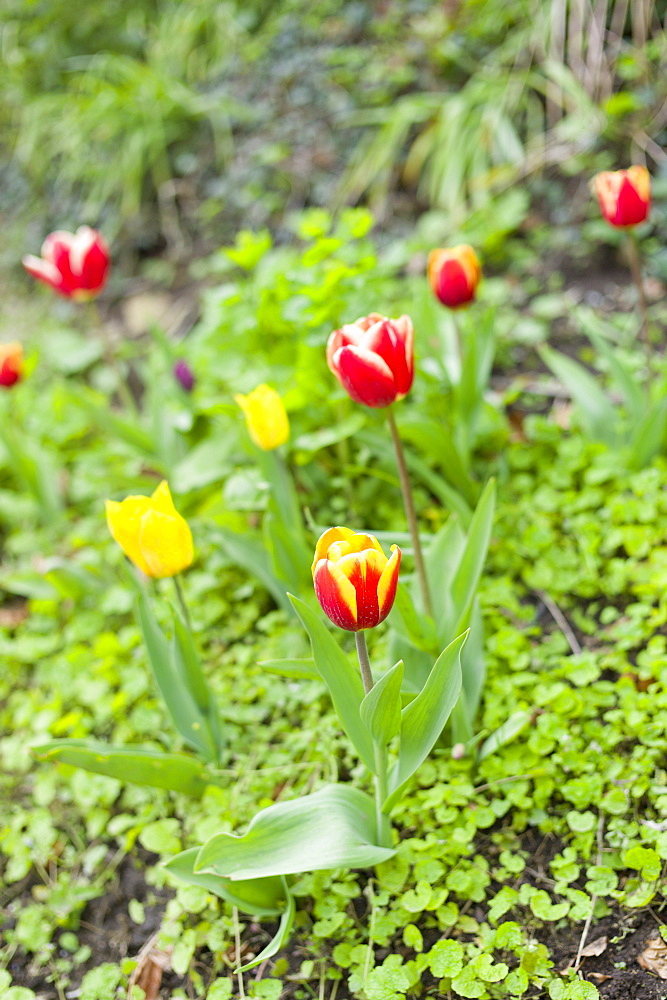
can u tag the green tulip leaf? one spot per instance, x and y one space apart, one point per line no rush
381 708
265 897
171 677
332 828
423 719
156 768
279 939
188 667
341 678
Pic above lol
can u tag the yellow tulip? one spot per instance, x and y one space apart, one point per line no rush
265 416
151 532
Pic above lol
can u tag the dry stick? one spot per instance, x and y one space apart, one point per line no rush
560 620
410 514
636 270
237 942
594 899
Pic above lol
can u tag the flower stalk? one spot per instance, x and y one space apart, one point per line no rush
636 270
383 827
410 514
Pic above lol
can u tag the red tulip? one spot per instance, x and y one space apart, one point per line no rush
74 264
11 364
354 581
373 359
624 195
454 275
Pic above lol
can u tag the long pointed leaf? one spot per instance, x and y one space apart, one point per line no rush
341 678
264 897
597 413
279 939
381 708
188 665
469 571
184 712
424 718
251 556
332 828
135 765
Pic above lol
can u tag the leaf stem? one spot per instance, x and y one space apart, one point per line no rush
364 661
181 600
636 271
410 514
382 825
126 396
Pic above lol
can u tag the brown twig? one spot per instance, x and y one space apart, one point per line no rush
560 620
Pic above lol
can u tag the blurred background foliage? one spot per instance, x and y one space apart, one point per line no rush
169 122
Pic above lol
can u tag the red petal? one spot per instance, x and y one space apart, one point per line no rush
390 341
452 286
365 376
330 590
364 574
631 209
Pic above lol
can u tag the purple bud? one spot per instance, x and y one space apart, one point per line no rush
183 375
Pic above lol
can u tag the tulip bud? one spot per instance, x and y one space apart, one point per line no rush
373 359
354 581
624 195
11 364
183 375
75 265
454 275
265 416
152 533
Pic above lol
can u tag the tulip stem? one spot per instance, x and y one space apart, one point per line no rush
181 601
110 359
636 271
410 514
364 661
382 824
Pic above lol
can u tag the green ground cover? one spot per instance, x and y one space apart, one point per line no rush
530 853
561 826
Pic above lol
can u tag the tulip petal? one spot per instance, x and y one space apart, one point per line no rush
336 595
388 583
43 270
124 521
365 376
89 259
364 570
387 339
161 499
165 543
327 539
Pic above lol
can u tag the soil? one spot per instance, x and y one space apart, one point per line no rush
615 971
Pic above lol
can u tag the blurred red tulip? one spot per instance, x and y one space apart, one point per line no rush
76 265
11 364
624 195
373 359
454 275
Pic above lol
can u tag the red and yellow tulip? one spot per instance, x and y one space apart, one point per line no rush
151 532
373 359
11 364
354 581
454 275
75 265
624 195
